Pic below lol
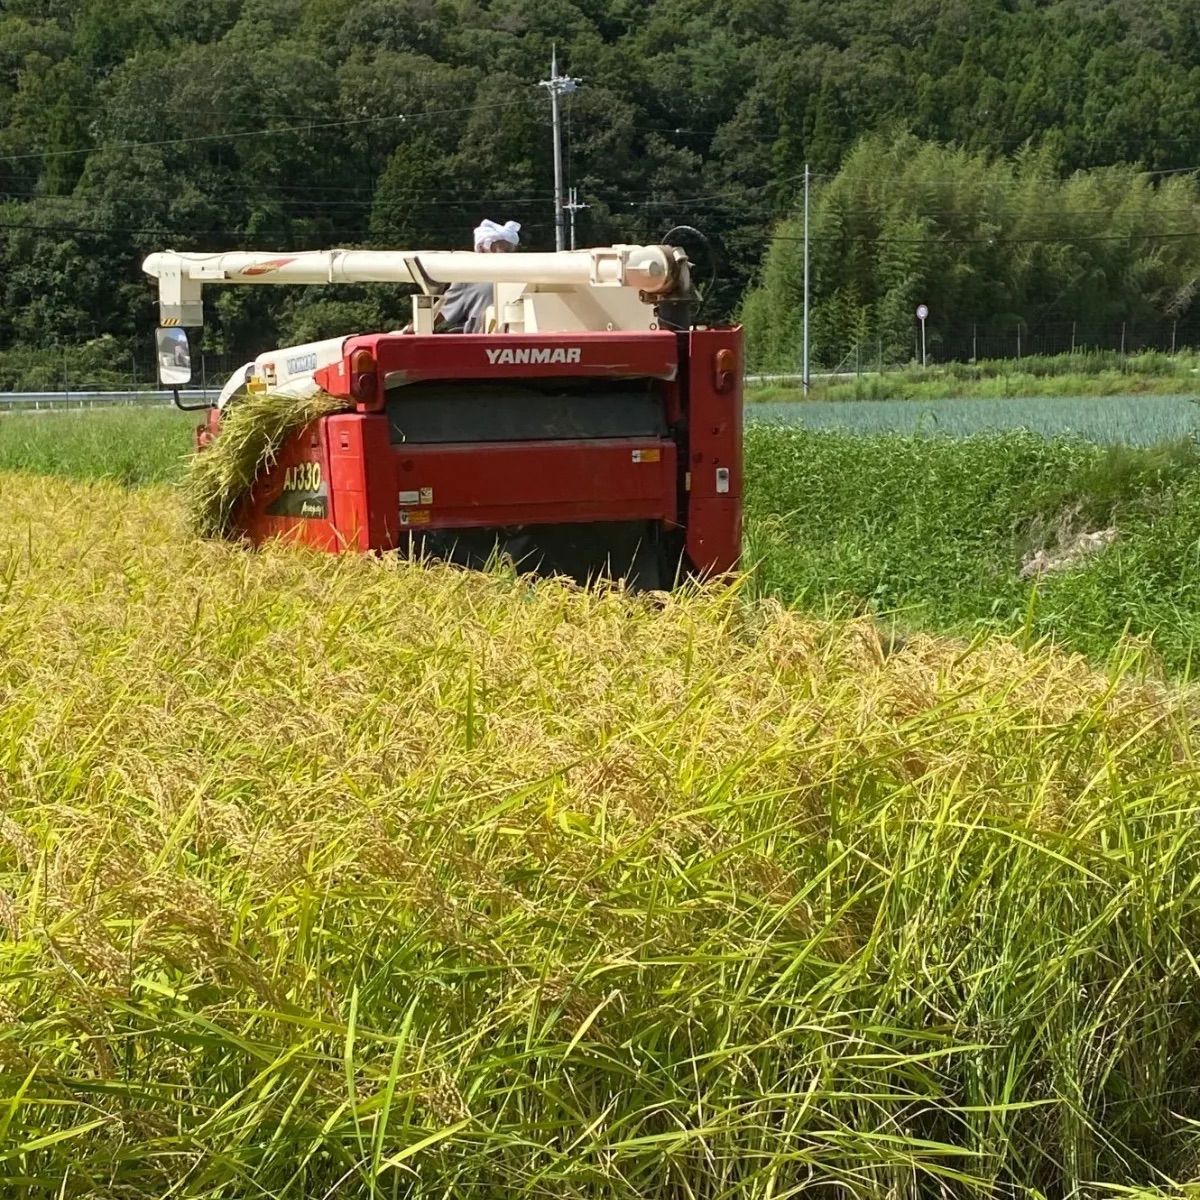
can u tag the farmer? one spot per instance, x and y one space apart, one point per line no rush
465 304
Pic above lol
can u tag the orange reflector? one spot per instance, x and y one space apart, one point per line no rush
724 365
363 381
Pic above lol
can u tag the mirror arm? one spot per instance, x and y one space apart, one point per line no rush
179 404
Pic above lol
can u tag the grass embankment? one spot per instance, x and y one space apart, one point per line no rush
326 876
935 531
1087 373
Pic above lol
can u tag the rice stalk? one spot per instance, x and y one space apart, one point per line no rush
252 431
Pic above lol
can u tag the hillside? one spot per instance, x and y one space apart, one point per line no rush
130 125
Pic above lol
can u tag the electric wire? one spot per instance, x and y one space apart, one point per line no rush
238 135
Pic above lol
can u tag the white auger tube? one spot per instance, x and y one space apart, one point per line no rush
654 270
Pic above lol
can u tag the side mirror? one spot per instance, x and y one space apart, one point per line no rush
174 357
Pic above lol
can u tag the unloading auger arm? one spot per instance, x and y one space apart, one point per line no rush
653 271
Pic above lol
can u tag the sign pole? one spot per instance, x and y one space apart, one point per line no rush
922 313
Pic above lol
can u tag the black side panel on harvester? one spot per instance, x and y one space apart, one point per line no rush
535 410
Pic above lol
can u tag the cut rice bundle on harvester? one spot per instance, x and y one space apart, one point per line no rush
252 435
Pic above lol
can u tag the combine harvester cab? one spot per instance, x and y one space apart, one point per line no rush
612 451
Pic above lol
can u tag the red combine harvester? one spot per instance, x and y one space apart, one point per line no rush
595 431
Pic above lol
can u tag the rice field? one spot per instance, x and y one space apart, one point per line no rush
128 445
1132 420
928 532
333 877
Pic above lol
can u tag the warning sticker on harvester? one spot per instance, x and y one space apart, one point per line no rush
414 518
640 456
417 496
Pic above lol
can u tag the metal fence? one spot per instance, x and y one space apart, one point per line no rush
70 378
961 342
965 342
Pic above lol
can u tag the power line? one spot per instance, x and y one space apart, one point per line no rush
359 234
308 206
982 213
1169 171
1049 239
232 135
741 192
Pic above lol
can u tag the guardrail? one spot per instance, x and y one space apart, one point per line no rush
754 380
22 401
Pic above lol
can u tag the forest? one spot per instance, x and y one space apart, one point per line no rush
1009 257
1016 165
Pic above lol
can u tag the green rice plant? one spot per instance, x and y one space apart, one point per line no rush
252 430
131 445
332 876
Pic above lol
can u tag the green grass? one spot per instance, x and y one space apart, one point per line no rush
129 445
934 531
338 877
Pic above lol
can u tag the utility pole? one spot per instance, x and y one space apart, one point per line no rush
573 206
558 85
805 375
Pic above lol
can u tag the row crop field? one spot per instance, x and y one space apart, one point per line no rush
1129 420
339 877
934 532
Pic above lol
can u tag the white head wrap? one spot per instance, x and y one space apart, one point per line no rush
489 232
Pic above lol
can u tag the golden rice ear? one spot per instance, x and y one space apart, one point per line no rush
252 432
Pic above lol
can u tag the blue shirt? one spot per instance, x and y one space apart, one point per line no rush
464 307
